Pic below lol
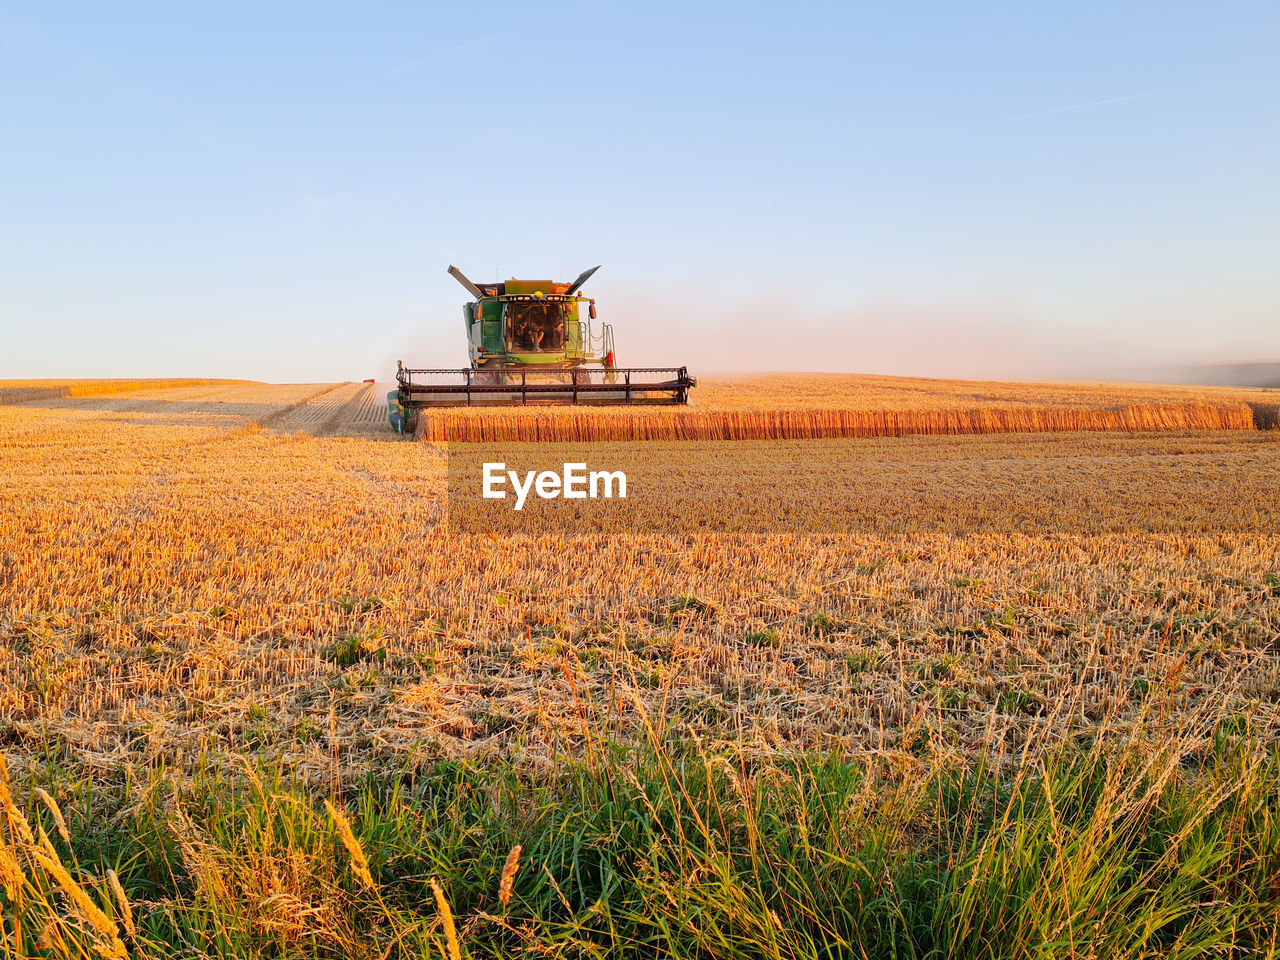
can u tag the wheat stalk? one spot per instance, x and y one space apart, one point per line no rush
359 863
18 825
54 809
122 901
84 905
446 917
12 877
507 882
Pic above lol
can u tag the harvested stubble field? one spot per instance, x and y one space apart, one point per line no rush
222 604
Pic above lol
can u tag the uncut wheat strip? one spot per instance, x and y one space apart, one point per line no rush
477 426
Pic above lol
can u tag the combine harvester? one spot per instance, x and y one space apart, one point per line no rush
529 345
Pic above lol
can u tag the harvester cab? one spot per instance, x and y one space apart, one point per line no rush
533 323
529 343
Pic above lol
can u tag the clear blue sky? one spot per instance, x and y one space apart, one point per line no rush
275 190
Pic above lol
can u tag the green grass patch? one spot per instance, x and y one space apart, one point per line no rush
668 852
762 638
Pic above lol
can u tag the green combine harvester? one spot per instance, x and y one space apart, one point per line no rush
529 344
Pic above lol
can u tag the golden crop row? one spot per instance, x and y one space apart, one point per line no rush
478 425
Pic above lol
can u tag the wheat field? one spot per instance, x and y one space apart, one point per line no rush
803 407
837 391
23 391
219 543
201 583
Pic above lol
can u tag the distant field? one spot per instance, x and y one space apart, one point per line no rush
353 408
837 391
19 391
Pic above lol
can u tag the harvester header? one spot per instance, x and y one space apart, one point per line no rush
529 343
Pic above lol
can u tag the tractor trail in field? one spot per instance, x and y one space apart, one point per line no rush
344 410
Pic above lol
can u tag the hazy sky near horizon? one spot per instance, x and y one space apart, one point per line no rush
274 191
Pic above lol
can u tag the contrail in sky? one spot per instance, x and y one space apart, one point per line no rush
1074 106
